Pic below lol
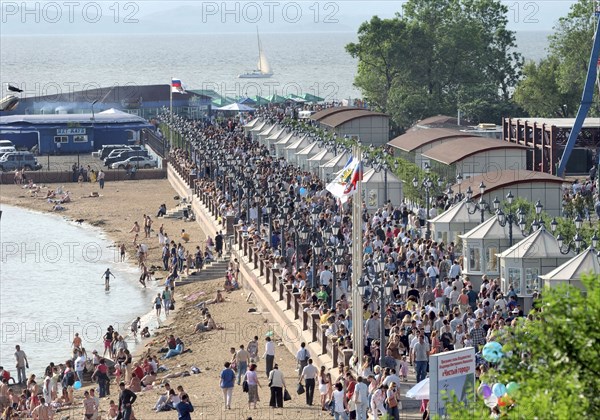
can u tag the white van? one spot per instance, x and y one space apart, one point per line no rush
7 146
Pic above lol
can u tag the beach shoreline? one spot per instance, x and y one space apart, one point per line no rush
112 215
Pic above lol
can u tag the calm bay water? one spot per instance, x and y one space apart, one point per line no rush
51 286
316 63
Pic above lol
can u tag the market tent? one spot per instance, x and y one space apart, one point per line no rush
312 98
420 391
275 99
259 100
246 101
236 107
219 102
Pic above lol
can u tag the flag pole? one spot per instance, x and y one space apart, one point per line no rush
171 112
357 265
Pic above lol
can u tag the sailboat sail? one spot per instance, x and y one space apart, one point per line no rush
263 68
263 64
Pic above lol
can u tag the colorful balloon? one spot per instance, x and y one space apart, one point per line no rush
486 391
512 388
77 385
499 390
492 352
302 191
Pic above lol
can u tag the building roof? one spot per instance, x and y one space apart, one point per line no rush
322 155
413 139
118 94
285 139
373 176
339 118
312 148
303 142
252 123
268 131
502 179
338 160
585 263
276 135
490 229
458 213
260 126
437 121
540 244
317 116
462 147
590 122
100 118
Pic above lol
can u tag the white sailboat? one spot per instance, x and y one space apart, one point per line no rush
264 69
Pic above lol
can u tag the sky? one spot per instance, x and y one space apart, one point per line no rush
82 16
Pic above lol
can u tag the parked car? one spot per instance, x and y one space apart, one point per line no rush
121 156
137 161
11 161
106 150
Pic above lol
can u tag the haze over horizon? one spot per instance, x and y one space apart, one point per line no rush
142 17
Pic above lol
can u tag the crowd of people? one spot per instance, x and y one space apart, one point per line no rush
433 307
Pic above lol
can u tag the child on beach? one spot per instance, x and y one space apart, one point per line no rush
118 373
113 410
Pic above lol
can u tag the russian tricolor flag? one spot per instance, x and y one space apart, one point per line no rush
176 86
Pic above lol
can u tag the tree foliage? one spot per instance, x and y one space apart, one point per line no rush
554 357
437 58
553 87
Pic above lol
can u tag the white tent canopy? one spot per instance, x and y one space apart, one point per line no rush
374 188
571 272
236 107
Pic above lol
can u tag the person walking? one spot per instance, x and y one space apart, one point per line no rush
309 374
100 178
361 398
277 385
126 400
340 403
269 355
158 303
420 357
302 357
242 358
184 408
21 365
253 384
227 383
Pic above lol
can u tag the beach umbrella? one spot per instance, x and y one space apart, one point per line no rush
312 98
420 391
236 107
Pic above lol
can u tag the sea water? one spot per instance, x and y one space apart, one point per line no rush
52 286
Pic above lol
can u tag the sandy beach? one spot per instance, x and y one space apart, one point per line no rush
120 204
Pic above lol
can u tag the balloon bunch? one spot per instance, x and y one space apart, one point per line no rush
499 394
492 352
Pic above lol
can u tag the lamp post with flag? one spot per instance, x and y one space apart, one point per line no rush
176 87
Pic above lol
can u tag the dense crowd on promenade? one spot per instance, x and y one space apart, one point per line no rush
433 307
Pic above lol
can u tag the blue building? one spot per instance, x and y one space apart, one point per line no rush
72 133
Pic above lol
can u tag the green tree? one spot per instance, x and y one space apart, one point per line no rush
553 87
554 357
439 57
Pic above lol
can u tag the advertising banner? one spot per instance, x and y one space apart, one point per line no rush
452 375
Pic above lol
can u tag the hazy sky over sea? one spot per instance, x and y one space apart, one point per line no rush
80 17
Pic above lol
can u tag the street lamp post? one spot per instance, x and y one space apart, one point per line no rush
577 243
481 206
426 184
384 290
508 218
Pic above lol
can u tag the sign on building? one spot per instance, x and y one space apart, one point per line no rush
70 131
452 375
